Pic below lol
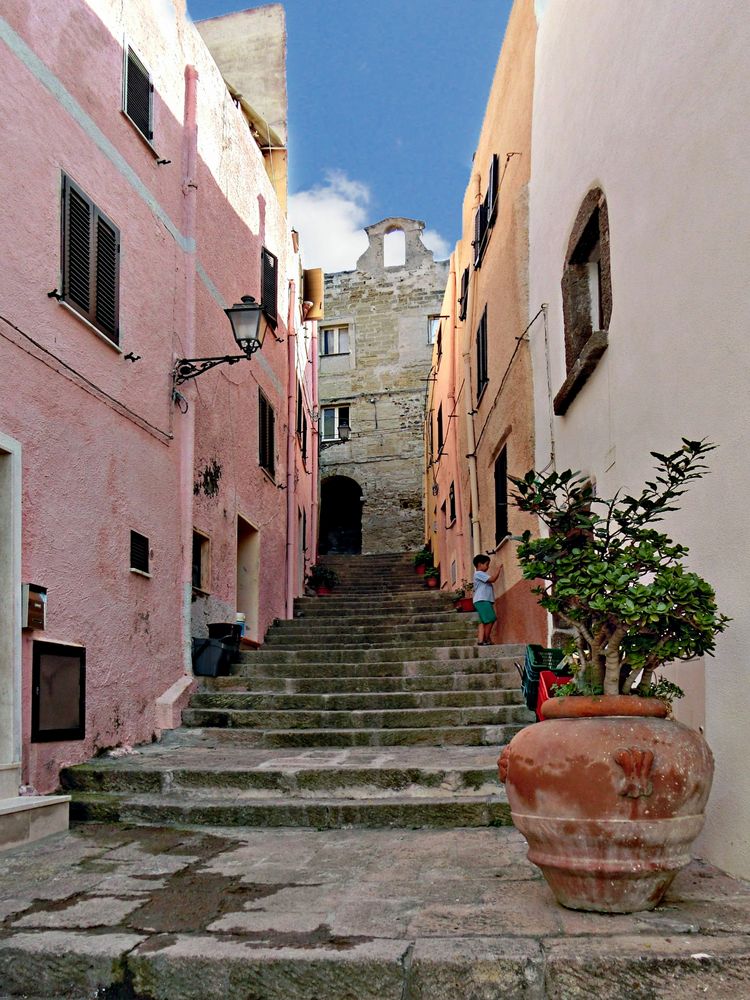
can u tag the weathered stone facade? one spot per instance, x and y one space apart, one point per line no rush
381 378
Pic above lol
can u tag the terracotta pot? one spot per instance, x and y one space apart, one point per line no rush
432 581
322 590
420 570
464 604
609 795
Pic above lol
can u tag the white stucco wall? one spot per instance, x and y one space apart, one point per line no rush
646 100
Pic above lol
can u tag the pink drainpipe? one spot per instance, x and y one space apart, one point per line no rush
187 350
315 436
291 496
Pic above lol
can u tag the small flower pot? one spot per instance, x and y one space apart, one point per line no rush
420 569
322 590
465 604
432 582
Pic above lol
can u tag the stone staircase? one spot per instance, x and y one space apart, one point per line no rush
373 707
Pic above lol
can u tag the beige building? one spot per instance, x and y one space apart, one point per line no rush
480 412
374 364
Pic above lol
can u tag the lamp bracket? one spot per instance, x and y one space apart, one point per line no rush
187 368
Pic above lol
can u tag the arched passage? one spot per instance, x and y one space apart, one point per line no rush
340 516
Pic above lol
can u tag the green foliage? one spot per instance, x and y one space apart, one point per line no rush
615 579
423 557
322 576
430 572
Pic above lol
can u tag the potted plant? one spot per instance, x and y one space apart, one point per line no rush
462 597
609 791
432 577
422 561
322 579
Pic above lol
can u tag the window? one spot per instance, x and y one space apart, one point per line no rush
587 296
433 329
90 261
463 299
440 438
58 699
334 340
201 565
138 552
452 503
501 496
333 417
266 436
269 266
486 213
482 377
138 95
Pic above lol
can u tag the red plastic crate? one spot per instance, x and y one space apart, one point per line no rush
548 681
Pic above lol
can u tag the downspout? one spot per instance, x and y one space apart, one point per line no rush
187 423
315 458
291 497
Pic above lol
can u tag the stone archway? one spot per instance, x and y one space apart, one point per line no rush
340 516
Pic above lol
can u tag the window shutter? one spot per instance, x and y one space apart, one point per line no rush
482 354
78 213
138 552
266 436
480 227
492 189
269 286
138 91
464 297
501 496
107 270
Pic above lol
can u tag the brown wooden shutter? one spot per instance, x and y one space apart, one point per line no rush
107 274
463 300
492 189
78 215
266 435
269 286
138 90
480 231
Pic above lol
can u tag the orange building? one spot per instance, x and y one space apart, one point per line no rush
480 402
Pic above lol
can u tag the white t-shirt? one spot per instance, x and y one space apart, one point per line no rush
482 587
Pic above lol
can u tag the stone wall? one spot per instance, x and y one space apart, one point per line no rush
383 380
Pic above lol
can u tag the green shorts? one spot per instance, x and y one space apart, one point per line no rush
486 612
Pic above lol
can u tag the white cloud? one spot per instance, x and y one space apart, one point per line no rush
438 244
330 218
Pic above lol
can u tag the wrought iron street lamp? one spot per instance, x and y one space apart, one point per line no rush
345 431
249 331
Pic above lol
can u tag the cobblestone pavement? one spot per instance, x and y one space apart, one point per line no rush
117 912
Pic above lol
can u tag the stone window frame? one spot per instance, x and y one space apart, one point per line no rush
587 267
336 329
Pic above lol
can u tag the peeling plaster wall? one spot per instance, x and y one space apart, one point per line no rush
643 100
383 382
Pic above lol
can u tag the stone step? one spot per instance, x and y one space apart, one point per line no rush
405 718
321 814
320 637
265 683
450 736
420 619
343 604
466 653
308 644
268 666
354 701
358 773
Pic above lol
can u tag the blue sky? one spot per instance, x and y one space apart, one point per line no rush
386 98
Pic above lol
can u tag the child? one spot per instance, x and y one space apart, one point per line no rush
484 598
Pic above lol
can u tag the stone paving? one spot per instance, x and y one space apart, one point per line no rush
294 914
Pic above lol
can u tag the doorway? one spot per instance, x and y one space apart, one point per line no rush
248 575
10 617
340 516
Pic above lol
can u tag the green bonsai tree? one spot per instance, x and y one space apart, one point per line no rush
614 579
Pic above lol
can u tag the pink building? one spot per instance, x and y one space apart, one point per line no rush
139 203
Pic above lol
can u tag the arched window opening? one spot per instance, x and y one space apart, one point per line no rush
394 248
340 516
